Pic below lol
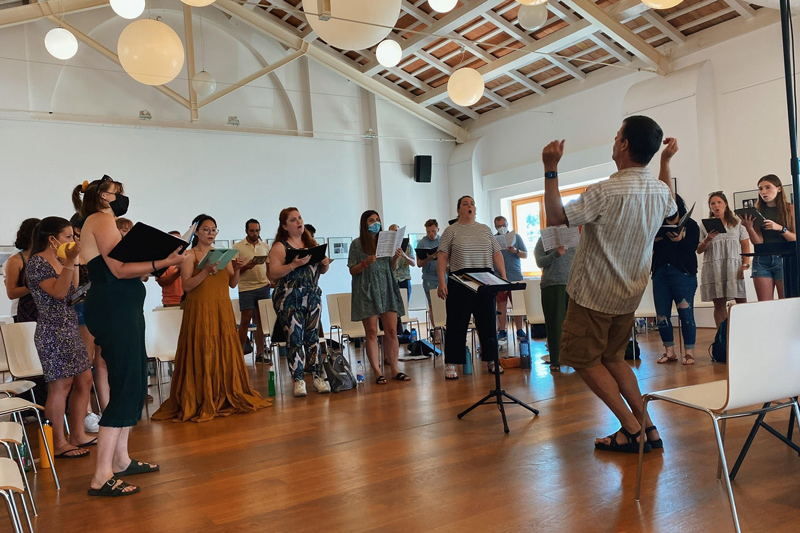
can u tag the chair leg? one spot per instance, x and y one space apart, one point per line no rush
25 480
645 401
158 381
724 465
719 462
12 515
96 398
21 421
48 451
27 514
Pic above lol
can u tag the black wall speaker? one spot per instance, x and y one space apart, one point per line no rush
422 168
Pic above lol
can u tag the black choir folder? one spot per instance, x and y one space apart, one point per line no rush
145 243
422 253
317 254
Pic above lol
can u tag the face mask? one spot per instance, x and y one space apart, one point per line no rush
120 205
374 228
61 253
503 230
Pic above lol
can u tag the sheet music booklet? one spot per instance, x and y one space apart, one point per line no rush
389 241
555 236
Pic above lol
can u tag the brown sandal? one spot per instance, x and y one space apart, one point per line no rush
667 359
688 359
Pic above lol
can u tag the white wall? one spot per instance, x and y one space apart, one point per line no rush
173 174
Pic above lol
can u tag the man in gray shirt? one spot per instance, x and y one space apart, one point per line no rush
511 258
620 218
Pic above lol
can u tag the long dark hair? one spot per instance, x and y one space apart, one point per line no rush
784 208
282 235
199 219
728 218
367 239
48 227
92 202
25 233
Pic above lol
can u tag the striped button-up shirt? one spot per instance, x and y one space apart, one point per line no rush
620 219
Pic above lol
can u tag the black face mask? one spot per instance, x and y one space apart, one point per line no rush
120 205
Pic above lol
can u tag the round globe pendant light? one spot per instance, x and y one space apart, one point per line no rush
128 9
204 84
465 86
198 3
532 17
661 4
374 20
150 52
442 6
531 2
61 43
389 53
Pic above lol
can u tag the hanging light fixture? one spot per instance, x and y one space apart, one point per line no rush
374 20
198 3
531 2
532 17
442 6
661 4
128 9
204 84
150 52
389 53
465 86
61 43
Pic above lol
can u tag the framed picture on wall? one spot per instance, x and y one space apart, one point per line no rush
339 247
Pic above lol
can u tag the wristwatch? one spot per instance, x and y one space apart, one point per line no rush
551 174
785 229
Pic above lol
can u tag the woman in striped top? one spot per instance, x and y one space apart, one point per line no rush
467 246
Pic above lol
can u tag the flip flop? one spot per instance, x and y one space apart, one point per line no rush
113 488
688 360
63 455
92 442
402 377
380 381
137 467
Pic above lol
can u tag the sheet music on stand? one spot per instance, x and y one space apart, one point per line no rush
486 281
389 241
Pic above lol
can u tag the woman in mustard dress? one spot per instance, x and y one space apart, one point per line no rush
210 377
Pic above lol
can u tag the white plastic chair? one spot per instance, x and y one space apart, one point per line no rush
406 318
439 317
417 303
251 330
534 313
15 407
11 483
11 434
353 330
269 319
333 314
762 370
162 330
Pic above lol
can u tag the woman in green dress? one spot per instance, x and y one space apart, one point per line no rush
375 294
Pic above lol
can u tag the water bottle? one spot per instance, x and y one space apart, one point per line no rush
359 372
48 431
413 334
524 354
467 368
271 385
25 456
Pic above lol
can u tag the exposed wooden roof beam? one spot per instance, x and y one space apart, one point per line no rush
664 27
28 13
611 47
620 33
334 61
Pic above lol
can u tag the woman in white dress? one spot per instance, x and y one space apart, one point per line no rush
722 276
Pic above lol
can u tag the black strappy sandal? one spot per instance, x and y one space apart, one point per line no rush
632 446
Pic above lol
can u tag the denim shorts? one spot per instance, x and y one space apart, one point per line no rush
427 286
79 309
768 266
249 299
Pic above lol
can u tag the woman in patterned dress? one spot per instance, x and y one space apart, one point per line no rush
298 298
64 359
375 294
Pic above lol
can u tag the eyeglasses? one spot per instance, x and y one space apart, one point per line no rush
210 231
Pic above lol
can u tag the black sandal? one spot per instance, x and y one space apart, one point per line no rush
402 377
113 488
137 467
632 446
656 444
380 381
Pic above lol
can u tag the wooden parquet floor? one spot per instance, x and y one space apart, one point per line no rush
395 458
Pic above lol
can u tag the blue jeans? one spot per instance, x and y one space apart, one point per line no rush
671 284
768 266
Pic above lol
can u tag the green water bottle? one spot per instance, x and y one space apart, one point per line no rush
467 367
272 383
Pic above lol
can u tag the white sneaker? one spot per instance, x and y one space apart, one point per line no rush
321 385
299 388
91 423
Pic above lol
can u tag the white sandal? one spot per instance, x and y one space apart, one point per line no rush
450 372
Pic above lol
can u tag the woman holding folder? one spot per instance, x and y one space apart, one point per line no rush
375 294
114 315
210 377
298 298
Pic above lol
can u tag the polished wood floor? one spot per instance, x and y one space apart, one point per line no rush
395 458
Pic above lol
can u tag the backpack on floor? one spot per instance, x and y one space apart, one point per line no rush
338 372
719 348
633 352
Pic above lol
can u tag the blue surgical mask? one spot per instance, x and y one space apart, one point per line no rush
374 228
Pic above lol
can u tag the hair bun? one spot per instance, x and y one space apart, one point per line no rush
84 186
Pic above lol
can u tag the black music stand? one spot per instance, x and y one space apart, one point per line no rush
483 283
790 290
